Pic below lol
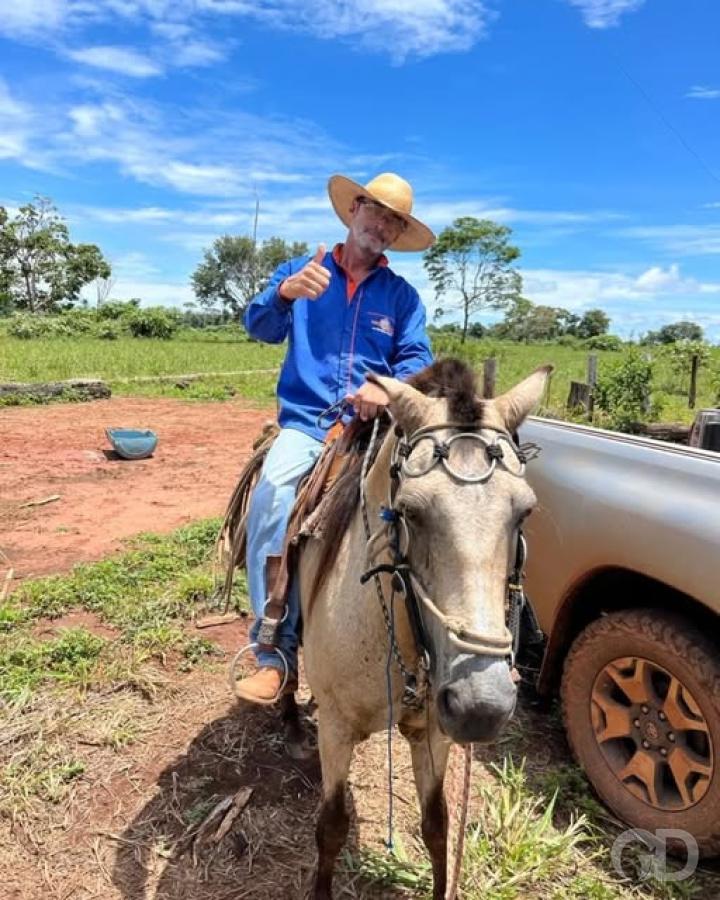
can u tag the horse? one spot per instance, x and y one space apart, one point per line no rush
414 560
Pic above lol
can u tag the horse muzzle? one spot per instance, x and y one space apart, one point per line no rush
476 701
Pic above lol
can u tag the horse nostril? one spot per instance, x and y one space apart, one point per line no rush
448 704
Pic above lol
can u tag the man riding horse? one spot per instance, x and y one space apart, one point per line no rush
345 313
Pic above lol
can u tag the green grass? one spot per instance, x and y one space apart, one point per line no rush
26 662
515 361
258 387
147 594
519 848
119 362
56 359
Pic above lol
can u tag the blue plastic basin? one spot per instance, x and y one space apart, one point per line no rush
132 443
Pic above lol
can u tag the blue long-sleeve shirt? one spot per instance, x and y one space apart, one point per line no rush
334 340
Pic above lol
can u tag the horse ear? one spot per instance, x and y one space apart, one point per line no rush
409 407
517 403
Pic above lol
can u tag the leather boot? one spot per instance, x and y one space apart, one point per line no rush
263 686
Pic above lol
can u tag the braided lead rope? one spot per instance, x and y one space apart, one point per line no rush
454 883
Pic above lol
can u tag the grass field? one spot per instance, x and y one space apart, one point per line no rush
227 362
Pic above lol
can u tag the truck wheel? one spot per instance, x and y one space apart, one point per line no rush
641 706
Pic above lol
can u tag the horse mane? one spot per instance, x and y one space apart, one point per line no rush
449 378
454 380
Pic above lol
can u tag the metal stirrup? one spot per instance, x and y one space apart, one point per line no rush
236 661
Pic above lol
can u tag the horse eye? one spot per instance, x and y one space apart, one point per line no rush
409 513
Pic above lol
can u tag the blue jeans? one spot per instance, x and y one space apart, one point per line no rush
291 456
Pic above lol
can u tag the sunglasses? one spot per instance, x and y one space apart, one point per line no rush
382 212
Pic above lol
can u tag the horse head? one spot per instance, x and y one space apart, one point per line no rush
460 492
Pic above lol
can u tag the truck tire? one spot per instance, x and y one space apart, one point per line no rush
641 706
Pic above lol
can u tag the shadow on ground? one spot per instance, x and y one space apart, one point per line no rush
269 852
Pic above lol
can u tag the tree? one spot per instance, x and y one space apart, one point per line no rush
514 325
103 287
524 321
6 301
39 266
544 323
85 263
477 330
471 261
236 268
568 322
593 323
677 331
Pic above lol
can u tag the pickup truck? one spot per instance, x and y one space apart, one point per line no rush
623 576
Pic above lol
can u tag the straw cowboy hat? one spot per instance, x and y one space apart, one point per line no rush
390 190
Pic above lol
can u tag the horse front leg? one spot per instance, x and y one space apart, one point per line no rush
336 747
429 749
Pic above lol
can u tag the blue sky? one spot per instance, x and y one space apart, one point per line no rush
589 126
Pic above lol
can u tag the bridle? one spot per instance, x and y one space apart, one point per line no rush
393 535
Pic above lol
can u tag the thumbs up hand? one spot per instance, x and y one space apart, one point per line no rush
311 281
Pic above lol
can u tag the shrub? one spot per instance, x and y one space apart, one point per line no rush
679 356
604 342
623 392
715 383
73 321
108 331
568 340
117 309
26 327
67 324
153 322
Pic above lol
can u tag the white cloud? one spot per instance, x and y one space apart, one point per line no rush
153 293
196 53
605 13
681 240
580 289
14 124
192 150
401 28
658 279
577 289
633 302
123 60
702 92
398 28
19 130
440 213
28 18
132 266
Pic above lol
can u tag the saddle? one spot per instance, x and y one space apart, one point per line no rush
231 546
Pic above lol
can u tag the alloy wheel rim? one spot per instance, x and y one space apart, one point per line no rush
652 733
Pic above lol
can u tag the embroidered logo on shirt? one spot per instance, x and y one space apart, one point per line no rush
383 324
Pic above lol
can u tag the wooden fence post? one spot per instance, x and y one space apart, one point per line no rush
548 387
693 381
592 366
579 395
489 378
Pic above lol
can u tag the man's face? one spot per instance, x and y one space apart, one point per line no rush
373 226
